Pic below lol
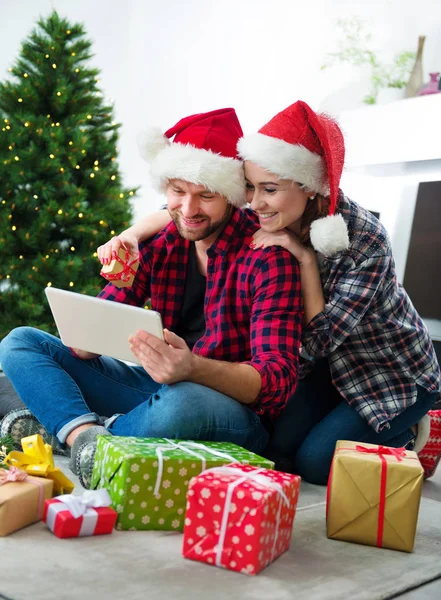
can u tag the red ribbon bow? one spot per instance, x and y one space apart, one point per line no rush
384 450
126 272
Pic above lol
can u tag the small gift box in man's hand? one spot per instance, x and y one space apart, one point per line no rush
77 516
122 269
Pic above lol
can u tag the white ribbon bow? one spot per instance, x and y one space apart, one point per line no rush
256 477
187 447
171 445
78 505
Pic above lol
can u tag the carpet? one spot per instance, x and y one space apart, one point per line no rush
148 565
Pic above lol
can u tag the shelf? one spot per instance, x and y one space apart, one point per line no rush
404 131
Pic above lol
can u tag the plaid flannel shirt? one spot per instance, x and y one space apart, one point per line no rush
377 345
253 305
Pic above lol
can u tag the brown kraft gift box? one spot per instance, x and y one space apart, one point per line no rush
374 495
22 502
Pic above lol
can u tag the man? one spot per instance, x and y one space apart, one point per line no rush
232 318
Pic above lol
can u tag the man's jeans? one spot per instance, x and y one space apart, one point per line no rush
316 417
63 391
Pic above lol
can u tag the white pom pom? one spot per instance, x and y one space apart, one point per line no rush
151 142
329 235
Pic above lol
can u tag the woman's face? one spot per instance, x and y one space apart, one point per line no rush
279 203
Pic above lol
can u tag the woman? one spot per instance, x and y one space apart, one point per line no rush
369 370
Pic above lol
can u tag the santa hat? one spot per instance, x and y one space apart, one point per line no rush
308 148
203 152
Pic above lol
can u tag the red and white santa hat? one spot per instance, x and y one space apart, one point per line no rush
203 152
308 148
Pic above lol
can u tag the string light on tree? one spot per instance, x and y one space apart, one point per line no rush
57 208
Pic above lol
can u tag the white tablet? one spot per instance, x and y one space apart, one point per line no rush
98 325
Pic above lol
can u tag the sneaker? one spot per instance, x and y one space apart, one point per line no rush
82 454
20 423
430 453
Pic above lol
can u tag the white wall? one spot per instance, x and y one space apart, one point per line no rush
165 59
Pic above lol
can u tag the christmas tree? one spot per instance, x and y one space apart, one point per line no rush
61 194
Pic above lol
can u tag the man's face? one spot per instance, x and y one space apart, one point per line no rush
197 213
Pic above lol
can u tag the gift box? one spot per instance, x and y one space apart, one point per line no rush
374 495
21 499
122 269
239 517
77 516
148 478
37 460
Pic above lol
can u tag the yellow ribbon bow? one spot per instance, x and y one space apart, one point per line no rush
37 460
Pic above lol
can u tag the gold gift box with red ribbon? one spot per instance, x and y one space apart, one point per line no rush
374 495
122 269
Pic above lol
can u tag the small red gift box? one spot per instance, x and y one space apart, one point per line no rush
77 516
239 517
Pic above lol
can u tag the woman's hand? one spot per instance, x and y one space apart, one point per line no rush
109 250
285 239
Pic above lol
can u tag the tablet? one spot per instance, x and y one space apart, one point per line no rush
99 325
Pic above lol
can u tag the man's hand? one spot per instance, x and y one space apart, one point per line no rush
166 362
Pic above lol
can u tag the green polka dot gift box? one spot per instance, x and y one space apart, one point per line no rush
148 478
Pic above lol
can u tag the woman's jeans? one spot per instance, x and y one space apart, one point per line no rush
63 392
316 417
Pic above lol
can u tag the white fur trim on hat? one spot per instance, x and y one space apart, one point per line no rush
329 235
151 142
287 161
219 174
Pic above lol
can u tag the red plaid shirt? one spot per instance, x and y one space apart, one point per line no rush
253 303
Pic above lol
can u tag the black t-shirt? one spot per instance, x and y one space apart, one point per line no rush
192 323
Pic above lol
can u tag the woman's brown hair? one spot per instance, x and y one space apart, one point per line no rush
315 209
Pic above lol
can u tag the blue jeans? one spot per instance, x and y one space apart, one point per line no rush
63 391
317 416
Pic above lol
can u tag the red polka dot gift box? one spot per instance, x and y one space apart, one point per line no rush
240 517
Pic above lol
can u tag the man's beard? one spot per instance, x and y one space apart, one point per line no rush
207 227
